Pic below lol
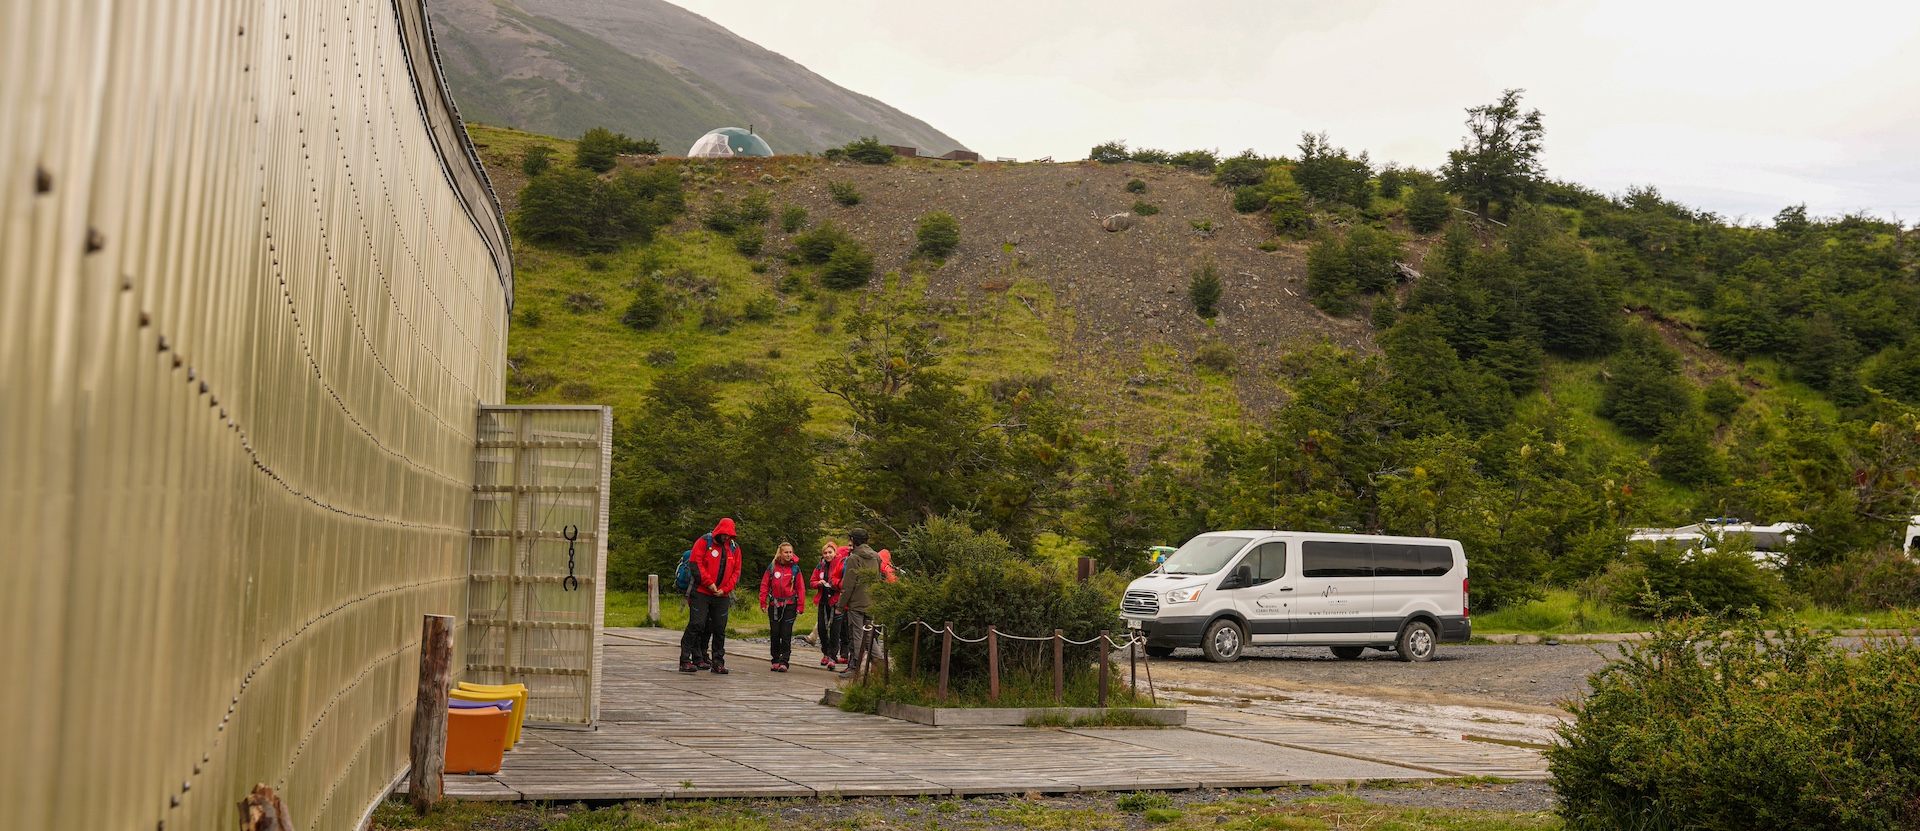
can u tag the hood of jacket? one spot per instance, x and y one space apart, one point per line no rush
725 526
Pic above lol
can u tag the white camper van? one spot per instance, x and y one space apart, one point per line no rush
1226 589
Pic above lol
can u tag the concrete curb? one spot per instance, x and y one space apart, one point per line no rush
1621 637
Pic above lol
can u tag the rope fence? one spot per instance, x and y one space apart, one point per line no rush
1134 643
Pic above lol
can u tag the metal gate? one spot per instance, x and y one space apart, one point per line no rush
538 561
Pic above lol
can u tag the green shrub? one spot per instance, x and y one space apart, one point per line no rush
1698 729
599 147
536 159
1428 207
1289 215
1249 199
749 240
974 579
577 390
571 207
1244 170
1215 355
1160 816
1340 269
1722 398
792 218
1865 581
1112 152
844 193
1199 161
760 308
1136 186
1204 289
662 357
1144 209
1720 581
937 236
869 150
817 246
649 306
583 302
1391 180
850 266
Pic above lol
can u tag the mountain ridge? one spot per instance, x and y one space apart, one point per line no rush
649 69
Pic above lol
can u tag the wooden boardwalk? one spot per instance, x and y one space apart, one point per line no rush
755 733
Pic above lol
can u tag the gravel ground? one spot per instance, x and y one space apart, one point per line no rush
1535 676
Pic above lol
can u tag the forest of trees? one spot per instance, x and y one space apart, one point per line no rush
1704 369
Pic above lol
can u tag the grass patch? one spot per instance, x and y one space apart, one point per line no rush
1015 691
1559 612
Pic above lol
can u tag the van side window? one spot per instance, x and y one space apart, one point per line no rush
1435 560
1336 559
1395 559
1273 562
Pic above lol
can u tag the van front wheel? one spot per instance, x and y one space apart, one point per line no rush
1348 653
1159 651
1223 641
1416 642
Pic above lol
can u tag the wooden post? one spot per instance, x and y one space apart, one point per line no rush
263 811
993 663
653 600
886 662
1133 664
429 745
1103 666
915 668
946 657
1085 570
1059 666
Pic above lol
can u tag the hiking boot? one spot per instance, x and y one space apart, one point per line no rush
687 666
779 667
720 669
826 662
702 665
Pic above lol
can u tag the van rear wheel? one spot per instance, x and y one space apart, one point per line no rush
1416 642
1348 653
1223 641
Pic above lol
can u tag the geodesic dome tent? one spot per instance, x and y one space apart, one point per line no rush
729 141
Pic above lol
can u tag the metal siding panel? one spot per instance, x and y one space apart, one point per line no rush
221 585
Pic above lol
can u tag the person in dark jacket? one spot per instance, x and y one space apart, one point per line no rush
859 573
783 596
716 570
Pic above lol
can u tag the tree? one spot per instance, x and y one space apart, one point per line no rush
1428 207
1204 289
1112 152
937 236
597 150
1500 160
1328 174
1644 390
869 150
536 160
850 266
1244 170
649 306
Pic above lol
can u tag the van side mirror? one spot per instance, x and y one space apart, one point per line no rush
1243 577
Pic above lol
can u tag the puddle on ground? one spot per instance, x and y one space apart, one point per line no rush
1454 721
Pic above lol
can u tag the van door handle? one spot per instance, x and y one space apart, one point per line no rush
1286 588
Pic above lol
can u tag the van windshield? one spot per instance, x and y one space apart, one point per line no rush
1205 555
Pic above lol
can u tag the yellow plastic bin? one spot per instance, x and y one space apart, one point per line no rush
516 701
517 692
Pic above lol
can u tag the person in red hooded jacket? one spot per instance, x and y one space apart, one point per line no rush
783 596
716 570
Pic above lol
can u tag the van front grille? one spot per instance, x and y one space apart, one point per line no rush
1140 603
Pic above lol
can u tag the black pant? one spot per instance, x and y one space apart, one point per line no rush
706 635
823 626
840 635
780 618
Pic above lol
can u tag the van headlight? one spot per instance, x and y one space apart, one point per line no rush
1186 595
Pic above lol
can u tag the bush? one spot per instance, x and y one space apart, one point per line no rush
662 357
536 160
851 266
760 309
649 306
817 246
1137 802
844 193
973 578
1722 399
938 235
1865 581
573 208
1112 152
1391 181
1144 209
793 218
577 390
1204 290
1249 199
869 150
1338 270
582 302
1652 576
1697 729
1201 161
1289 215
1214 355
1244 170
1428 207
1136 186
749 240
599 147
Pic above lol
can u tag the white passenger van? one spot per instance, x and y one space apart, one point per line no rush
1226 589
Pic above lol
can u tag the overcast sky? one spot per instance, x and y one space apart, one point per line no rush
1740 108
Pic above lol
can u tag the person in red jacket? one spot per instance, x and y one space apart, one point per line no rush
826 584
783 596
716 570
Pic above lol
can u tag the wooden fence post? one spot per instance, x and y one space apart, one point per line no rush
428 748
1103 666
1133 664
653 600
1085 570
1059 666
946 656
915 667
993 663
886 663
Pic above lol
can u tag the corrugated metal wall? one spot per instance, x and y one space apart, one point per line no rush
252 294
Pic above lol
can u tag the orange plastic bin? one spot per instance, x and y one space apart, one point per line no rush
476 739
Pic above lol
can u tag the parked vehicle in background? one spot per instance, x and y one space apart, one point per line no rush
1224 590
1913 537
1767 543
